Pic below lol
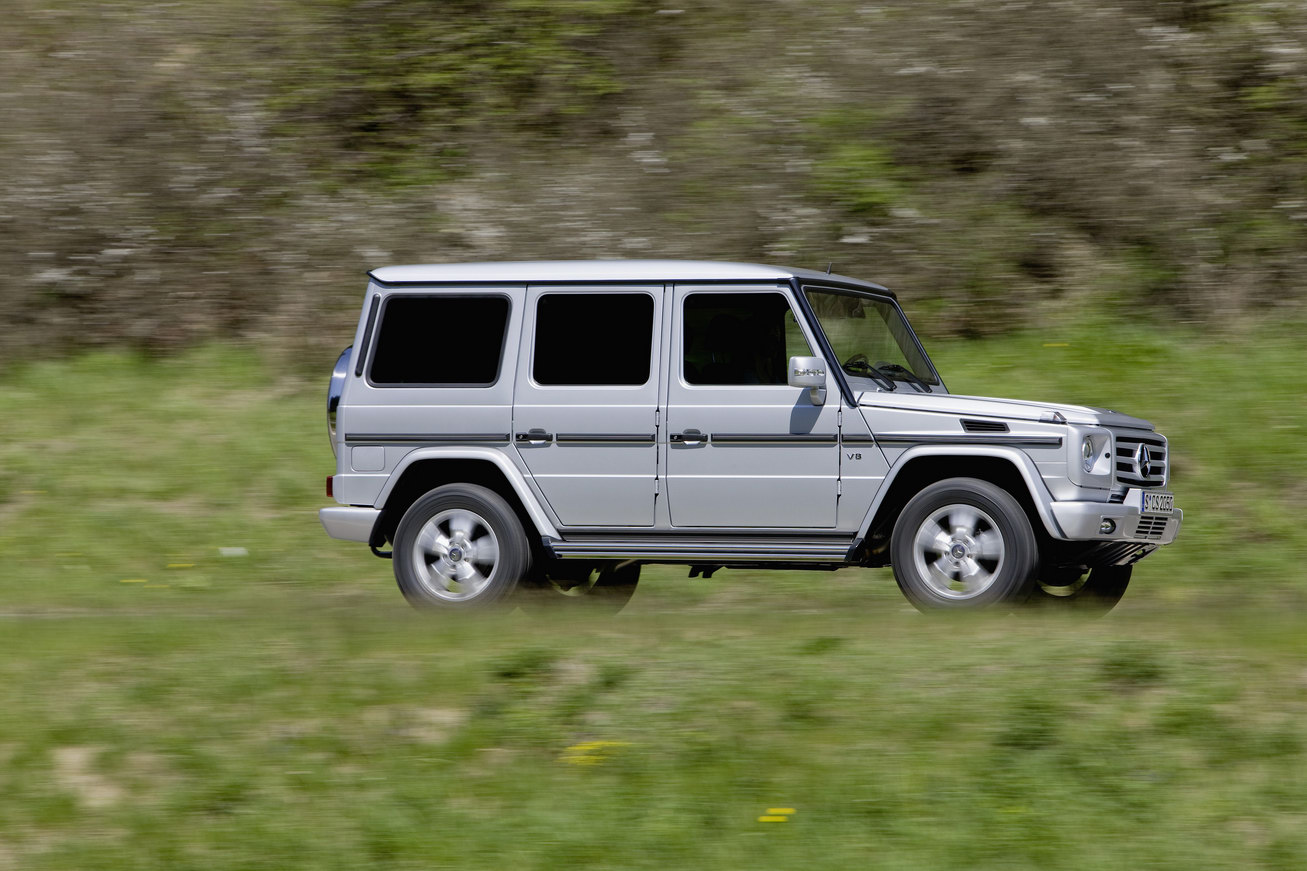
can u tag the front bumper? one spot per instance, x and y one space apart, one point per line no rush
1082 521
349 522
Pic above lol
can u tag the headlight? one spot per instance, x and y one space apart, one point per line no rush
1090 463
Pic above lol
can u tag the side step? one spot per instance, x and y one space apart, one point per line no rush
690 549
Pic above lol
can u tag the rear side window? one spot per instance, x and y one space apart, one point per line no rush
593 339
440 341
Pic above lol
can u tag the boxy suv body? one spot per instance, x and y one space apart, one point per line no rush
515 429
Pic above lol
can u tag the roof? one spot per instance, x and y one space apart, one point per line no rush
542 271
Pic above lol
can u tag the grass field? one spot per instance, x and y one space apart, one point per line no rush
163 705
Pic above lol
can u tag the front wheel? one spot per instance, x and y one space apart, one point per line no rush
963 544
1094 592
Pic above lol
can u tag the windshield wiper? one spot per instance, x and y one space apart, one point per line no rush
895 371
858 365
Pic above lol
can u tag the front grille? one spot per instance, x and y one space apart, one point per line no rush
1127 445
1151 526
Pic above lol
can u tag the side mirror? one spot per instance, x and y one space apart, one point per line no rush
809 372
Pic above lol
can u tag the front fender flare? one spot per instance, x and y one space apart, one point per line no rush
1039 493
544 526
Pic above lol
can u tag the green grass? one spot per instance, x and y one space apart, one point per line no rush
285 709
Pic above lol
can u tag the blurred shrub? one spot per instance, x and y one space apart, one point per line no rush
396 90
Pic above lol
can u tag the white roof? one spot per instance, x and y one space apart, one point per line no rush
598 270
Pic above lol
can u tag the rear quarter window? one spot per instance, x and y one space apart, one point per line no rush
440 341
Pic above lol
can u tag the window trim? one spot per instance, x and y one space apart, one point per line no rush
650 378
802 289
440 385
679 325
367 335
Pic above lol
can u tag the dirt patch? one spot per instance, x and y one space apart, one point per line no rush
73 770
575 672
423 725
431 725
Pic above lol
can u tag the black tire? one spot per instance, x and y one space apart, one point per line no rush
606 587
1095 592
460 530
939 514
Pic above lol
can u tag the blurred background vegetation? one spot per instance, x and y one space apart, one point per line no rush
187 170
1085 202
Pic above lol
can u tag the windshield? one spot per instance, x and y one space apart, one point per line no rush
866 332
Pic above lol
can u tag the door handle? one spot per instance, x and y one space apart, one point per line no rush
688 437
533 437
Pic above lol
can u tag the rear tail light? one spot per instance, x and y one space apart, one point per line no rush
329 480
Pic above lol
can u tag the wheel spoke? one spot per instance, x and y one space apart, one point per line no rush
445 570
989 544
486 550
461 523
962 520
969 568
943 568
932 540
472 578
430 541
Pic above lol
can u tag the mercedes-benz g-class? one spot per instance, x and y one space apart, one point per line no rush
512 428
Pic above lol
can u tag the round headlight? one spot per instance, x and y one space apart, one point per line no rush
1087 452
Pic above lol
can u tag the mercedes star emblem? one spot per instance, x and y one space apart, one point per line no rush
1143 461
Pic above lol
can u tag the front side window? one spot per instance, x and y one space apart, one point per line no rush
739 338
593 339
869 336
440 341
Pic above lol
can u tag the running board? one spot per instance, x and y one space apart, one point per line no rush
706 550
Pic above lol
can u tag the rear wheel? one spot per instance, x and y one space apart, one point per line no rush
963 544
1094 592
459 546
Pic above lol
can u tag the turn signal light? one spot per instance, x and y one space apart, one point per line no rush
329 478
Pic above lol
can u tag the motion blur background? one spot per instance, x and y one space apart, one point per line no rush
1090 202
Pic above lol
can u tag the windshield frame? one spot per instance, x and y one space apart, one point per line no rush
801 291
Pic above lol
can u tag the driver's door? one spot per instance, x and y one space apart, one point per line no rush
744 449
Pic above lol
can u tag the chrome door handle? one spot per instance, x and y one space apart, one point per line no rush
688 437
533 437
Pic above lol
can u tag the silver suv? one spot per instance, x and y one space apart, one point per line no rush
512 429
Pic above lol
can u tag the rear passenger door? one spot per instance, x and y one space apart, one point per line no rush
585 405
744 448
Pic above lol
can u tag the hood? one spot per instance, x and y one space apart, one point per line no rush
1012 409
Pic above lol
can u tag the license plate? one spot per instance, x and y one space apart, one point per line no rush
1159 503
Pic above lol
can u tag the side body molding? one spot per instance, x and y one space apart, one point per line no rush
1029 473
515 479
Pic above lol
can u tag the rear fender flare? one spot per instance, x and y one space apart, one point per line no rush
543 525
